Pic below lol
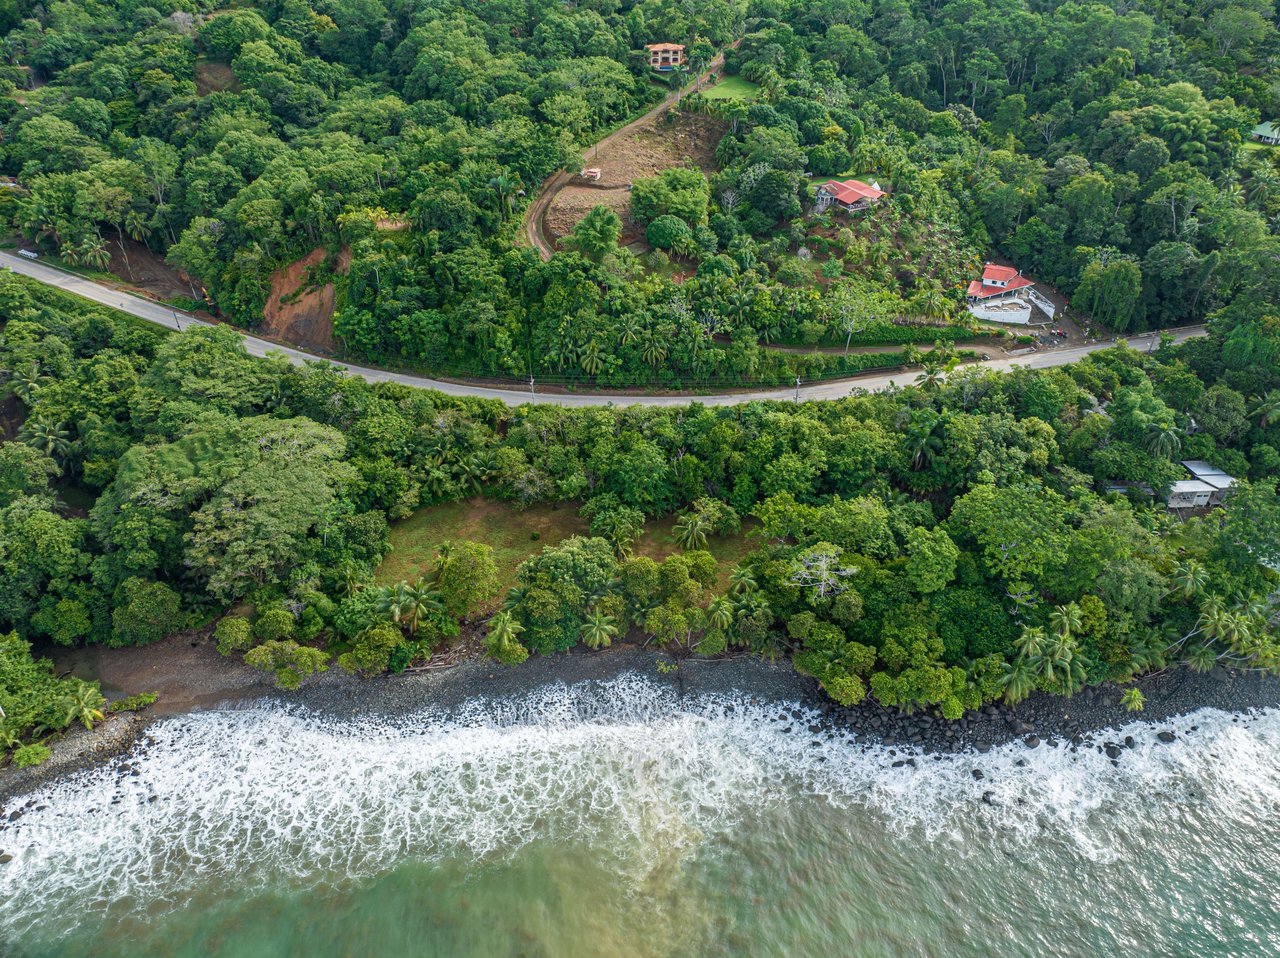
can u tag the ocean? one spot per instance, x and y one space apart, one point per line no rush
619 820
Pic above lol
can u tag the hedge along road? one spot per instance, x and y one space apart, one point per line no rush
171 318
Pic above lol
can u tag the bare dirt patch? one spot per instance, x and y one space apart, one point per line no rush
651 147
299 309
138 266
213 76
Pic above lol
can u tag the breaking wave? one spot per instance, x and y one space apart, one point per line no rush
273 794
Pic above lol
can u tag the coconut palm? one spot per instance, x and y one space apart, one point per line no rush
51 438
720 613
504 632
1202 658
628 331
931 378
1163 439
1066 621
691 531
85 704
1019 681
1267 409
598 629
1191 579
741 581
420 600
392 602
592 359
26 382
1031 642
653 351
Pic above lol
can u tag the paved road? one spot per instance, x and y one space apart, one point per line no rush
165 316
534 217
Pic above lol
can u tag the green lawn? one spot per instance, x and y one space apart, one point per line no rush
511 531
732 88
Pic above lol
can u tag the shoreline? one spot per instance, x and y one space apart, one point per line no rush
1041 721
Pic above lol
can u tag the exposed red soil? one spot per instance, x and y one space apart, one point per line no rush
651 147
299 309
138 266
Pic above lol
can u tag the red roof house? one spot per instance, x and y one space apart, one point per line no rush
849 195
997 281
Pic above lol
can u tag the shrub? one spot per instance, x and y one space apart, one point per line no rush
288 661
371 654
666 231
274 624
233 634
29 755
149 612
133 703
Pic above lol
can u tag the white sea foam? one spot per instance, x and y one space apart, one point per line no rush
273 793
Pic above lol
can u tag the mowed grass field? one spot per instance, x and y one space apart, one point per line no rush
732 88
510 531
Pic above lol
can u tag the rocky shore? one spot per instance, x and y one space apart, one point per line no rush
1042 721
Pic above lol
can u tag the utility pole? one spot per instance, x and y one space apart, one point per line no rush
176 325
797 389
531 393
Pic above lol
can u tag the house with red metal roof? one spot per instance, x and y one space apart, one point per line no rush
997 281
848 195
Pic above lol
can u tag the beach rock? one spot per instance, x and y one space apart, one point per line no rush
1032 741
977 774
1128 741
5 859
1113 751
988 797
1165 736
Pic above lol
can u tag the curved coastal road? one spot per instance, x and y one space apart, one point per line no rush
169 318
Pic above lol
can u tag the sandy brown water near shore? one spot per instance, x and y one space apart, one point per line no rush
191 676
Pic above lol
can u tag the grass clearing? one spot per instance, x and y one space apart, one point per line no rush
511 532
732 88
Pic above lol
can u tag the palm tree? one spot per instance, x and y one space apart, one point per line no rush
628 331
1030 643
599 629
504 632
1267 409
691 531
53 439
1163 439
931 378
720 613
26 382
93 252
924 444
592 359
1066 621
392 602
504 185
84 705
741 581
1019 681
910 354
653 351
420 600
1191 579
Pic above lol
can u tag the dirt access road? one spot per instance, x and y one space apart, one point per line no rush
534 227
